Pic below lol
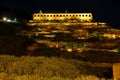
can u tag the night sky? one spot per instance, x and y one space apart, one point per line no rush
103 10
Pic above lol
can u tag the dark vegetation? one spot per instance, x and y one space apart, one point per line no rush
92 56
10 43
12 66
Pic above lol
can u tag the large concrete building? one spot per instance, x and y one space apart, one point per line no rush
45 19
83 17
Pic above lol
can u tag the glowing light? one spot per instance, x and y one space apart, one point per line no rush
4 18
15 20
69 50
8 20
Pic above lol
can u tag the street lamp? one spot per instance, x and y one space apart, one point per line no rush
4 18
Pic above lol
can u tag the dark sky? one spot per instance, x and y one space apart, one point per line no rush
103 10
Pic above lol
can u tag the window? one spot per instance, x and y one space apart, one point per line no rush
76 15
54 15
57 15
34 15
66 15
63 15
47 15
44 15
82 15
50 15
60 15
89 15
86 15
41 15
73 15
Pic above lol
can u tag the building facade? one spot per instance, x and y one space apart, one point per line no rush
83 17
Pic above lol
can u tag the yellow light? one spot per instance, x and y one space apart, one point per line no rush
4 18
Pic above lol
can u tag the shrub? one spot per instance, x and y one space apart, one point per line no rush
37 68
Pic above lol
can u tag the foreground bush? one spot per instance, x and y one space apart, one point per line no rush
44 68
4 76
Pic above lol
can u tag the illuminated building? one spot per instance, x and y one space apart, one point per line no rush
83 17
47 19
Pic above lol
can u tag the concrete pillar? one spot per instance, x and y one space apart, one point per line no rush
116 71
